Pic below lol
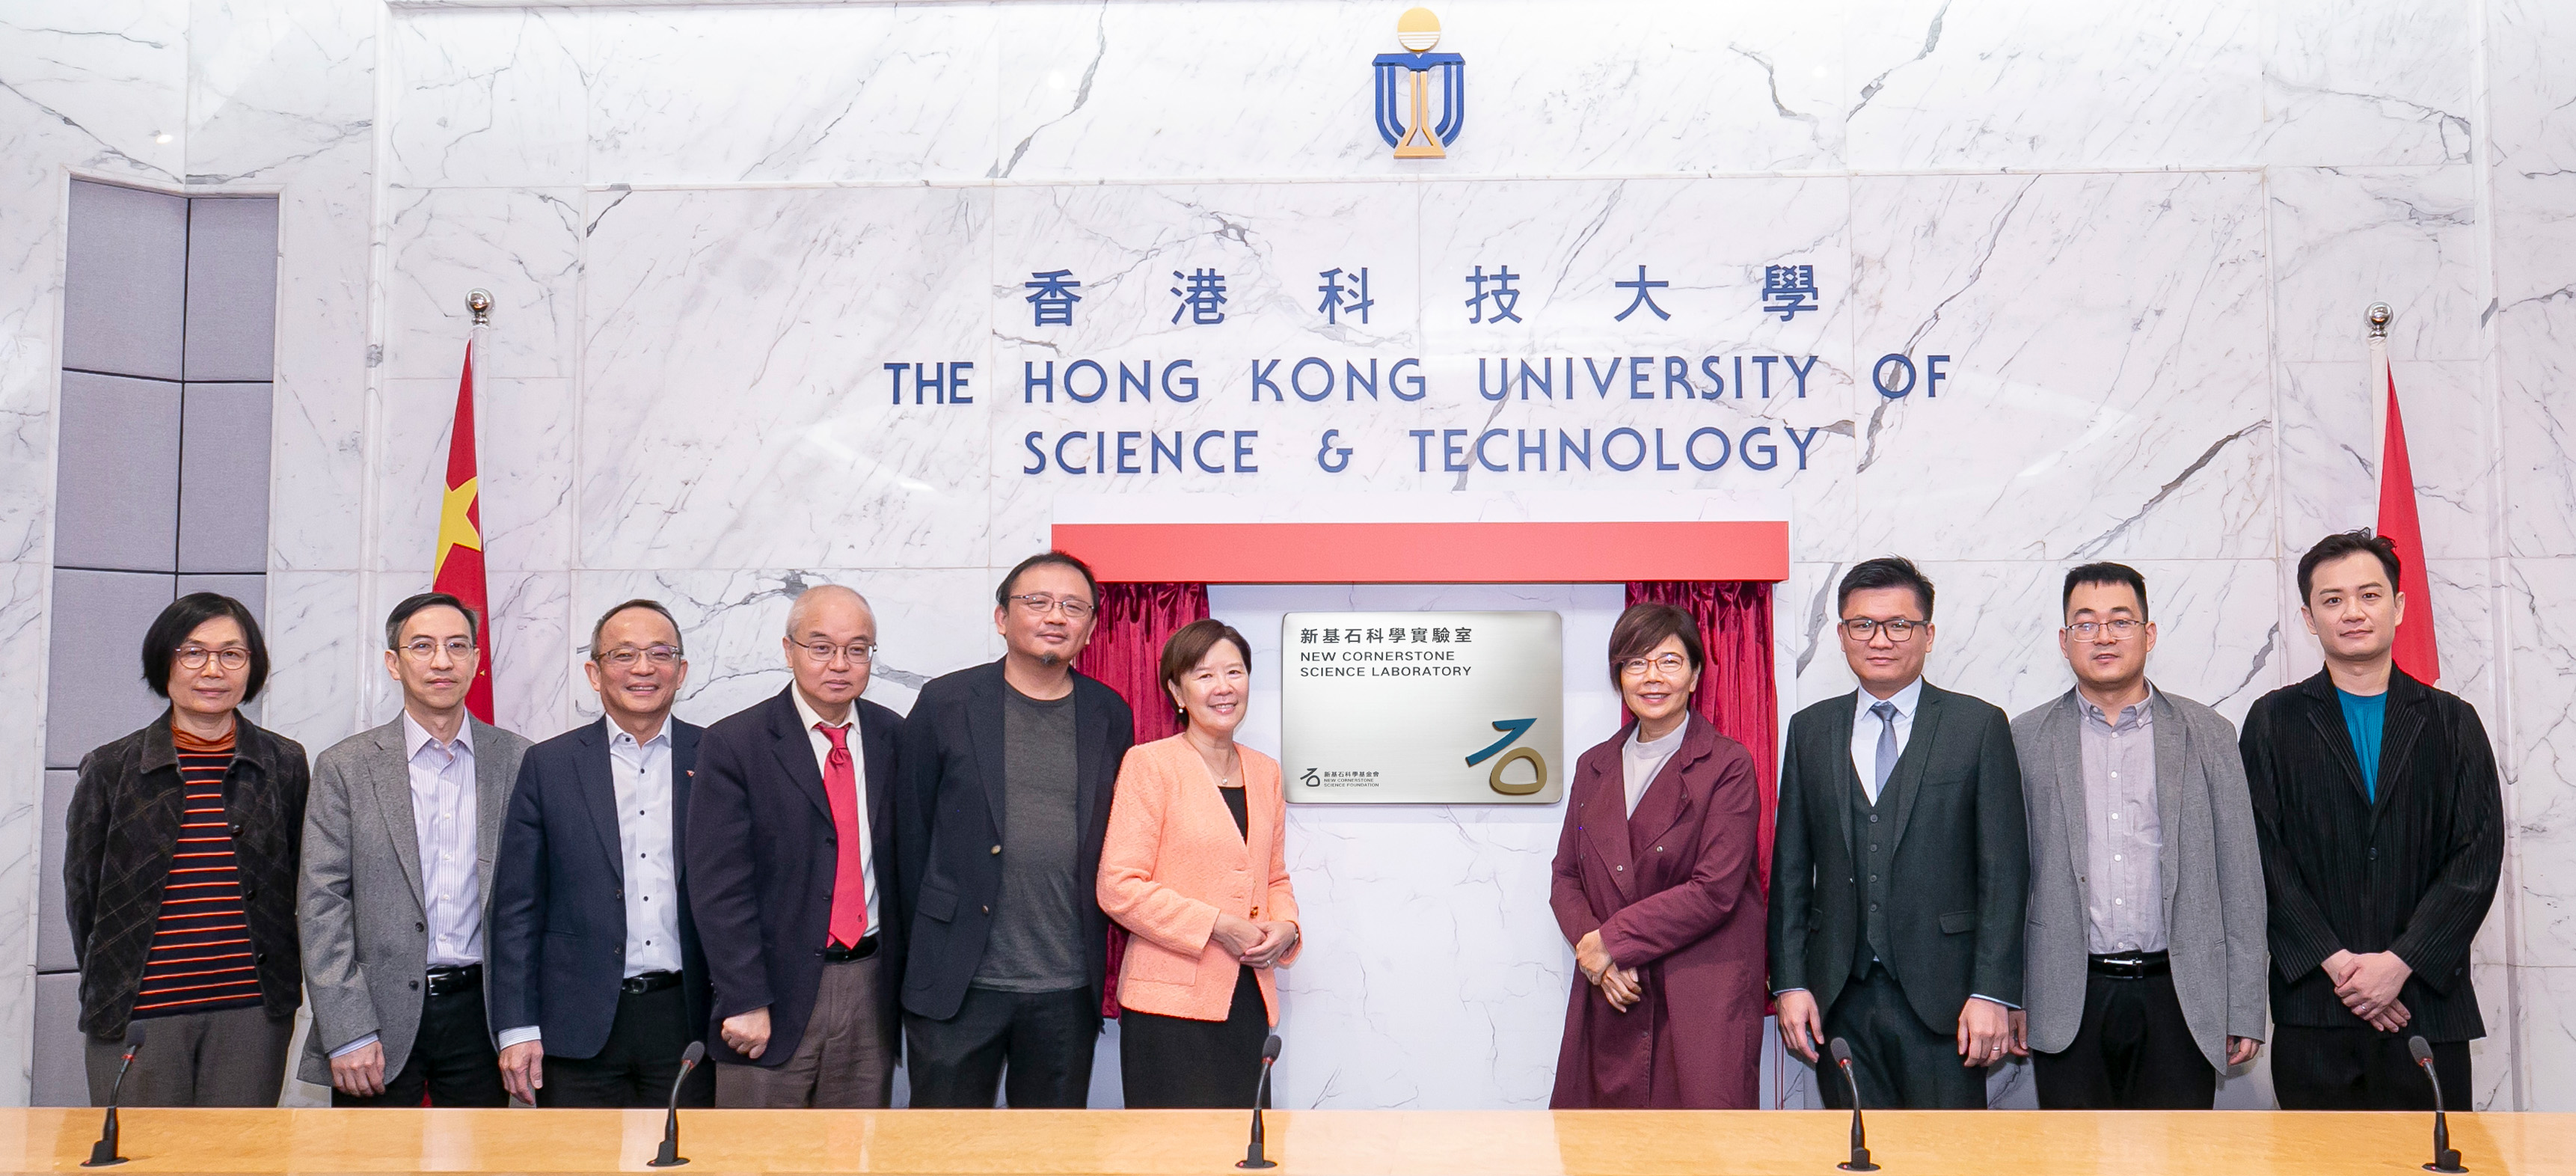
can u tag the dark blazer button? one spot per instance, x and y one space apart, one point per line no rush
415 984
236 828
259 957
250 891
424 929
988 910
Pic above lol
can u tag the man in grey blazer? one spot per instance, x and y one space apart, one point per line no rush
2145 950
399 832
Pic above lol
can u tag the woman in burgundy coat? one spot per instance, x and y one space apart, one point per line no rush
1655 888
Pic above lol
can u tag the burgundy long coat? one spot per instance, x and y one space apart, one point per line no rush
1674 893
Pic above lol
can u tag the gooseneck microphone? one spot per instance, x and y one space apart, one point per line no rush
103 1153
1252 1157
1859 1161
669 1156
2444 1159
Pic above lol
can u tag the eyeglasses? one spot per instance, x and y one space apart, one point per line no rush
1669 664
2120 628
624 657
1900 630
859 652
231 657
423 650
1038 604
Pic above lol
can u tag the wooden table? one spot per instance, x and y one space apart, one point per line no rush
1149 1143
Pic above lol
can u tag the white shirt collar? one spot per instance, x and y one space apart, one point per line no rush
416 736
805 711
1906 700
617 734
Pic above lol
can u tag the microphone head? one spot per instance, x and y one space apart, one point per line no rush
1270 1049
1841 1050
2423 1053
696 1053
134 1035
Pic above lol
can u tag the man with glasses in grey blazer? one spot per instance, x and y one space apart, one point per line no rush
399 832
2145 950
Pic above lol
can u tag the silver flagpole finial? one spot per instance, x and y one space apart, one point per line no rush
479 301
2379 316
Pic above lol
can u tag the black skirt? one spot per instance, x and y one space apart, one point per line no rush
1177 1062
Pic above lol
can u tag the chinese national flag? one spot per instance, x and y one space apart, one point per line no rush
2417 653
458 567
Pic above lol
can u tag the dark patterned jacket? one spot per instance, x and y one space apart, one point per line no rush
124 827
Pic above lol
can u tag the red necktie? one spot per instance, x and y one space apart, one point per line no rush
849 882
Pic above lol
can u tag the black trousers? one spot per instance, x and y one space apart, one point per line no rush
1897 1059
1042 1040
640 1060
2132 1052
1177 1062
452 1062
2362 1069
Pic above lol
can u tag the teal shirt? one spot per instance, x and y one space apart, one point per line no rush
2364 715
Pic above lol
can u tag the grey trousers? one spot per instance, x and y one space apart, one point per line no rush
846 1058
235 1058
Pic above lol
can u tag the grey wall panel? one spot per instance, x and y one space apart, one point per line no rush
125 281
61 1079
116 474
223 478
232 288
53 932
250 590
96 691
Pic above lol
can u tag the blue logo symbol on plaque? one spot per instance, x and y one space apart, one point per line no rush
1415 135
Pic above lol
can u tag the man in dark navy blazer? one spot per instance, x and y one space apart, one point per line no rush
791 840
1900 874
598 985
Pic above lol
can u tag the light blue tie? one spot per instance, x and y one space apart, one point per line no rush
1886 712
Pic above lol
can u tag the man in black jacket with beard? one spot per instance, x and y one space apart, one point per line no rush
2381 822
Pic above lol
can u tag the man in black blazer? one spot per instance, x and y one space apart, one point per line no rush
2381 821
1900 872
1008 772
598 984
790 825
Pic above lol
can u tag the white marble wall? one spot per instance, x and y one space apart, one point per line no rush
2146 233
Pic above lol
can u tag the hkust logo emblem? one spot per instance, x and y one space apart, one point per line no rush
1512 730
1404 121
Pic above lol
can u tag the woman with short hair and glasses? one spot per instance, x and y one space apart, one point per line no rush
1656 889
179 875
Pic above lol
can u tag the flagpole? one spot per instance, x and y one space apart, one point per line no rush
2379 380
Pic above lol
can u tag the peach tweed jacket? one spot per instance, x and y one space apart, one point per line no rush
1173 860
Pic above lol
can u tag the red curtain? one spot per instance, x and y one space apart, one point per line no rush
1737 692
1126 649
1126 652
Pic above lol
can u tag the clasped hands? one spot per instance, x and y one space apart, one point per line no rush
1620 986
1257 944
2369 985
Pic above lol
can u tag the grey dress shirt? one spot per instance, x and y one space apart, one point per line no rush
2124 895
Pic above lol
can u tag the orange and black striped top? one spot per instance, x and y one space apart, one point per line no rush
201 960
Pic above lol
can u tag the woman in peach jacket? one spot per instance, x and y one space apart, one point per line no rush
1196 867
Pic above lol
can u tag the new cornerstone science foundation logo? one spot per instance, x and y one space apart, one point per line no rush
1404 120
1423 707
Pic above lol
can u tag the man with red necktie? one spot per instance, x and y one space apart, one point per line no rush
792 811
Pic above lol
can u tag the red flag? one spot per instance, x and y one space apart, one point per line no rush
2417 653
458 566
